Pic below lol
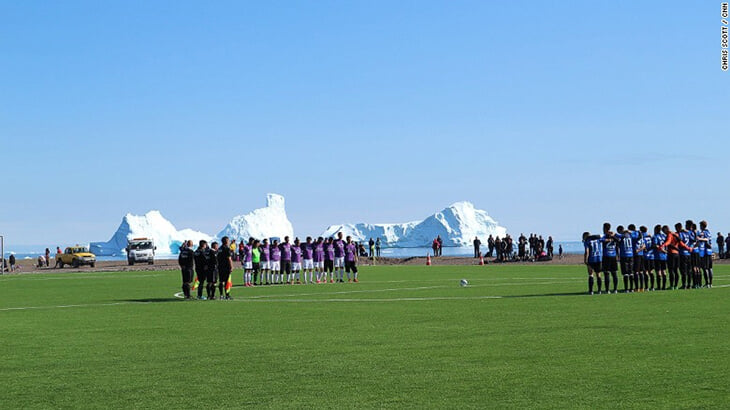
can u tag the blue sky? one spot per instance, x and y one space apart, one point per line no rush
552 117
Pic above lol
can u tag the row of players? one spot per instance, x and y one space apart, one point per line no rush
268 264
646 259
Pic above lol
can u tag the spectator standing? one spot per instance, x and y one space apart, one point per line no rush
48 256
377 247
371 244
498 248
490 246
441 244
550 246
560 251
727 244
11 261
720 246
477 245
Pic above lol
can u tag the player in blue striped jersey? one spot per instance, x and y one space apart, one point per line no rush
610 256
638 247
660 257
695 255
704 242
649 261
593 257
626 254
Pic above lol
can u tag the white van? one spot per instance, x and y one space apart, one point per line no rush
141 250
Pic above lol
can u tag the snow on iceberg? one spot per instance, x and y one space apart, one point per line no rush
267 222
150 225
457 225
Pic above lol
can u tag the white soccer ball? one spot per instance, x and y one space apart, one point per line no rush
464 282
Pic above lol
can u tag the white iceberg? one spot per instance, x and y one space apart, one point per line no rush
457 225
267 222
150 225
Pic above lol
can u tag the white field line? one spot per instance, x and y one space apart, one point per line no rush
36 278
369 299
71 306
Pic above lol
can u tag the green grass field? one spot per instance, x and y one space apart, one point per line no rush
518 336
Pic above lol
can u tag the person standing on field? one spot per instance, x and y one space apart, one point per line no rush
201 267
720 246
351 259
186 261
377 247
48 256
225 267
211 262
477 245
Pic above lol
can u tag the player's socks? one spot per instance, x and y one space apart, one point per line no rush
626 283
664 281
615 281
651 276
646 280
590 283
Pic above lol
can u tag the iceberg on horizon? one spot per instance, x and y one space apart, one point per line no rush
150 225
457 225
268 222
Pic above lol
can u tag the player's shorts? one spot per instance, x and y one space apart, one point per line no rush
684 263
265 265
329 265
339 262
275 265
594 266
694 260
350 266
212 276
295 266
610 264
660 264
639 263
706 262
627 265
247 265
319 265
648 264
308 264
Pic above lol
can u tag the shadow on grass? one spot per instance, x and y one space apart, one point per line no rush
152 300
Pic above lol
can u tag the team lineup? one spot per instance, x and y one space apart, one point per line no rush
264 263
646 260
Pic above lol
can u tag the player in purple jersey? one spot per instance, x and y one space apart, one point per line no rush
285 260
247 263
351 259
308 260
329 258
318 259
296 262
265 265
340 257
275 256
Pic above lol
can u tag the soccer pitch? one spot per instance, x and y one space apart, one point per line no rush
406 336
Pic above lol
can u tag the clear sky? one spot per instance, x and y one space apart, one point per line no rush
552 116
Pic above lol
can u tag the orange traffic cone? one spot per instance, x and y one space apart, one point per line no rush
481 260
428 260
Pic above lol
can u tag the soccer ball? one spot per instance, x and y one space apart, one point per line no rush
464 282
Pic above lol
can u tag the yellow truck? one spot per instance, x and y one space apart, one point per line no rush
75 256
